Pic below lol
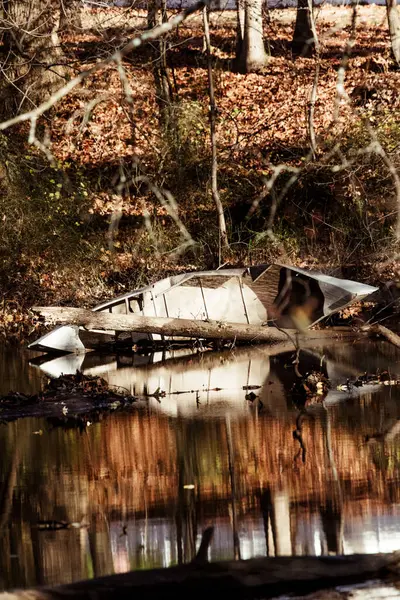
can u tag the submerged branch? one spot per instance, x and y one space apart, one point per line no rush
384 332
258 577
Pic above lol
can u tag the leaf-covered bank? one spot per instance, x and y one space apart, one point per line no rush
122 194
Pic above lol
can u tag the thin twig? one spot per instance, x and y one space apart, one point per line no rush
116 57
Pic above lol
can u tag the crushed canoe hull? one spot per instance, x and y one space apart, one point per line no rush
277 295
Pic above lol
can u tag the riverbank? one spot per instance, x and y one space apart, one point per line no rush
69 401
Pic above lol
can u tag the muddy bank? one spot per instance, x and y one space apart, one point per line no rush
70 400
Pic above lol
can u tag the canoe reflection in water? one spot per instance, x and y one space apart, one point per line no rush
187 384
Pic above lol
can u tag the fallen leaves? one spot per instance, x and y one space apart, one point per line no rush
259 108
109 144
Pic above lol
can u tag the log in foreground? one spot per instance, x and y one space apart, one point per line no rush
384 332
254 578
187 328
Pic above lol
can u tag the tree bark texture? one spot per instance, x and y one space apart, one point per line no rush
70 15
303 42
384 332
175 327
240 12
32 59
156 15
252 55
213 137
164 326
394 28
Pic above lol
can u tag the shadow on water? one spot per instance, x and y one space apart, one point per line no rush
222 442
16 373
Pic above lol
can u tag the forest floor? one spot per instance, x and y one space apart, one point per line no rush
98 222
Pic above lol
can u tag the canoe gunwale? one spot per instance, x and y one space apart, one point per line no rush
351 287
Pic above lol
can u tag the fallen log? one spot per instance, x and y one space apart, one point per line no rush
254 578
384 332
187 328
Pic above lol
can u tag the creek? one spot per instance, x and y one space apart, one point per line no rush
217 439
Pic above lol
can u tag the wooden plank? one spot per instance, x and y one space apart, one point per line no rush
168 326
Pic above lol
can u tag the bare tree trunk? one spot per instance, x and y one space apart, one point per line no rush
394 28
304 36
383 332
152 12
70 18
254 578
157 14
214 161
33 66
252 56
314 91
240 13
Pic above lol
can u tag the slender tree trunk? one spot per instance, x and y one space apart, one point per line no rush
152 12
70 18
240 13
394 28
252 56
314 91
304 38
157 14
33 67
213 136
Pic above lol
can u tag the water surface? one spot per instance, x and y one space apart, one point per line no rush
211 443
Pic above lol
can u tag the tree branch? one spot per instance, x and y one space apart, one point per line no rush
116 57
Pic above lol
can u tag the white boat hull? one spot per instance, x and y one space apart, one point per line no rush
276 295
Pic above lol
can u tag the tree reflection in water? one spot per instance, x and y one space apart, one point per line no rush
144 485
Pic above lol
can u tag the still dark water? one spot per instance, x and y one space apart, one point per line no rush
140 487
